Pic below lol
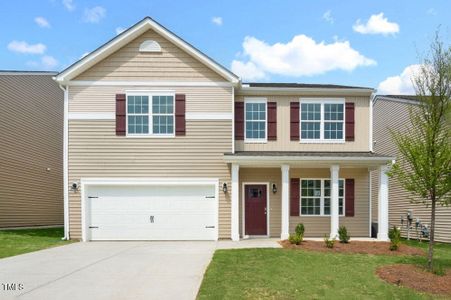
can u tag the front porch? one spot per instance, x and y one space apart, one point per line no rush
272 192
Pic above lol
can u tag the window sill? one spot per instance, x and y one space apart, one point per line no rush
151 136
321 141
249 141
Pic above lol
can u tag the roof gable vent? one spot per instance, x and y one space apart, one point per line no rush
150 46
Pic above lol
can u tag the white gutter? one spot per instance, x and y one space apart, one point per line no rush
246 90
65 162
370 134
288 158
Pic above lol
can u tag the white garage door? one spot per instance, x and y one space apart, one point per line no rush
169 212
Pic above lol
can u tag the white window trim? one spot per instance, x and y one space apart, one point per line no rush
149 94
256 141
321 139
322 197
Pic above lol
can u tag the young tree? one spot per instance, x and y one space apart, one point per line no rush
425 155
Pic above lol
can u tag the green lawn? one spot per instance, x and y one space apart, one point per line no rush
14 242
294 274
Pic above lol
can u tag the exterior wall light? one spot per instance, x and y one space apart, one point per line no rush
224 187
274 188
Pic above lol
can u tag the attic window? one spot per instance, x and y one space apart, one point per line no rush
150 46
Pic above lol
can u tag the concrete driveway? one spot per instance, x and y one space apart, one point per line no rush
108 270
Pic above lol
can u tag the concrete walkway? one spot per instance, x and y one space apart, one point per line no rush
108 270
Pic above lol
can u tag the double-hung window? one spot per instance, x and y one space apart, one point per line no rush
255 120
322 120
150 114
316 197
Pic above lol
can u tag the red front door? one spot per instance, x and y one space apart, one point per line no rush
255 209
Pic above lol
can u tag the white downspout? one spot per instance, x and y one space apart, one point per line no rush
65 161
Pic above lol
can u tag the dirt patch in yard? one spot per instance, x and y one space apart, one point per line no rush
416 278
377 248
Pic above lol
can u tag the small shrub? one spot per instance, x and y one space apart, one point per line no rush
395 238
329 242
343 235
295 239
300 231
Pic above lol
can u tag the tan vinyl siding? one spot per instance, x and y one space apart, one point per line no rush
31 139
261 175
395 115
101 98
95 151
172 64
284 143
317 226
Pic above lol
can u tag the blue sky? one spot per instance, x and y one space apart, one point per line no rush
365 43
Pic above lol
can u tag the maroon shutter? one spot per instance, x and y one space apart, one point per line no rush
120 114
180 127
239 120
272 121
294 196
294 121
349 119
349 197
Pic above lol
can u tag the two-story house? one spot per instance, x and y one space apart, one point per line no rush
163 143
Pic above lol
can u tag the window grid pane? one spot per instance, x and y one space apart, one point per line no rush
138 119
312 193
163 114
255 120
310 120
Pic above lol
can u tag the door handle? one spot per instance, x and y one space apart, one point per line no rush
93 226
209 226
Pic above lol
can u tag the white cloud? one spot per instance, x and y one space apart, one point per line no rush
69 5
46 62
399 84
42 22
302 56
248 70
94 14
217 20
327 16
24 47
431 11
376 24
119 30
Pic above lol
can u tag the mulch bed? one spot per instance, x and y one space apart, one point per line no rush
377 248
416 278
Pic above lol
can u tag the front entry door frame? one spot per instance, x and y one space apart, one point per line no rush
243 206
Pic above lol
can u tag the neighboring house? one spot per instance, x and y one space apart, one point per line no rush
31 150
163 143
391 112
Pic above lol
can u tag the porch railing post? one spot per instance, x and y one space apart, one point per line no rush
334 215
285 202
235 232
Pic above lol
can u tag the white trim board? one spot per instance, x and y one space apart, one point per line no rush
148 83
243 210
112 116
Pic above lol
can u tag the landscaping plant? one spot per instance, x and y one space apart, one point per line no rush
423 166
300 230
395 238
298 236
329 242
295 239
343 235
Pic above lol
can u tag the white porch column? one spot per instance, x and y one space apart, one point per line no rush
382 216
334 216
285 202
235 228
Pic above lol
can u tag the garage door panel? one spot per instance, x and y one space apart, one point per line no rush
152 212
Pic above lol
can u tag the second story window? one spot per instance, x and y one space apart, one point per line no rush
322 120
150 114
255 120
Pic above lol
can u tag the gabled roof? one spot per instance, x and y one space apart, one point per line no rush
408 99
127 36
